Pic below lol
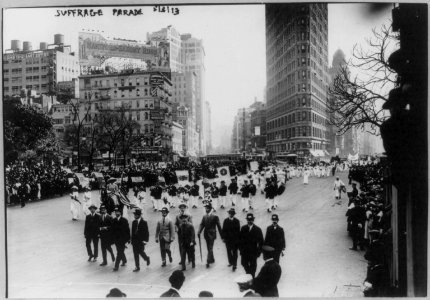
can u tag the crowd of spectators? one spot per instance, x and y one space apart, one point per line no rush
34 181
369 225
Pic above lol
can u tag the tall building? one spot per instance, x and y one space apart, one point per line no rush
258 127
39 70
242 131
184 108
186 54
193 58
340 144
207 130
297 78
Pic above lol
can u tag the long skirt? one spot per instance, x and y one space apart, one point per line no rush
74 209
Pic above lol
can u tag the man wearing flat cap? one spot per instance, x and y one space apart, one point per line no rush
275 237
250 243
165 233
139 238
176 280
121 236
91 232
266 282
182 213
210 222
231 234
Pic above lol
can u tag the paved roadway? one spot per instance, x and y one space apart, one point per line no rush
47 256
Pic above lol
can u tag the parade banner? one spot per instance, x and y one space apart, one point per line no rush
83 181
182 176
254 165
223 173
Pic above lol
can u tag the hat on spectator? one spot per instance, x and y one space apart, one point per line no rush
177 277
92 206
182 204
164 209
232 211
75 187
117 209
275 217
208 205
205 294
138 212
102 206
111 179
250 217
244 278
115 292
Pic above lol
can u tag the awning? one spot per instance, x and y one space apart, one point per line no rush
291 155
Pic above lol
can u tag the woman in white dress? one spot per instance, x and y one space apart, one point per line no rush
306 176
75 204
86 201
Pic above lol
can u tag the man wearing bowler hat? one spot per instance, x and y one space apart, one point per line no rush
275 237
165 233
139 238
176 281
91 232
266 282
121 236
210 222
105 234
251 241
230 234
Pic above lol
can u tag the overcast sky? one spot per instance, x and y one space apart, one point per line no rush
233 35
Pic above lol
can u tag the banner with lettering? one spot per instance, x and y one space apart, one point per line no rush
183 178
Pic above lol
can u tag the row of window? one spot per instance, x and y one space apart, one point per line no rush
128 104
17 88
294 146
298 131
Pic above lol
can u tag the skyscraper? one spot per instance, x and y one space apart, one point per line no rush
297 78
187 54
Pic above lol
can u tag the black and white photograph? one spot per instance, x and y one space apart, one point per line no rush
219 149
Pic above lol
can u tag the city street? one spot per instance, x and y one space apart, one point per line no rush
47 256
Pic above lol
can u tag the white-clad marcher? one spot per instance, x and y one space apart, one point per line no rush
337 188
86 201
75 204
306 176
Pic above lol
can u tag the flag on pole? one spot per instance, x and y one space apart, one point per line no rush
124 200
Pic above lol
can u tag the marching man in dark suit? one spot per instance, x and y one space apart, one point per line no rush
105 234
165 233
121 236
91 232
139 238
266 283
231 234
275 237
187 237
176 280
251 241
209 223
182 207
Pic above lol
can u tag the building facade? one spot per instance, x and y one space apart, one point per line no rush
144 98
177 143
39 70
297 78
242 131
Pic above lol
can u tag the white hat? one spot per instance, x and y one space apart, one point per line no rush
244 278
